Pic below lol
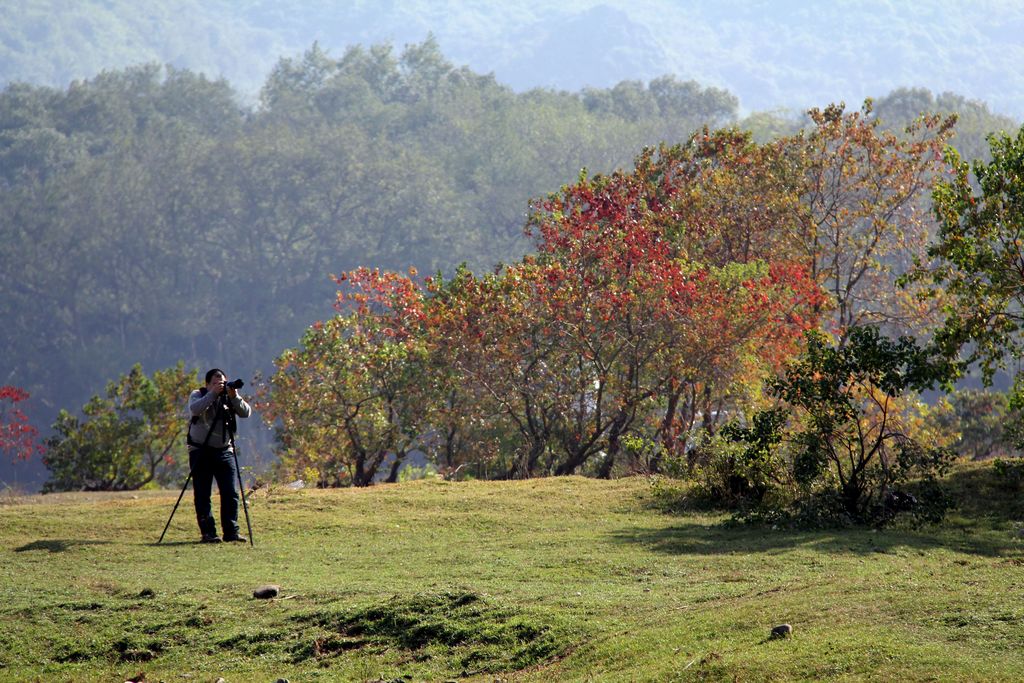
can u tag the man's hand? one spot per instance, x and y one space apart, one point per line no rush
232 393
217 386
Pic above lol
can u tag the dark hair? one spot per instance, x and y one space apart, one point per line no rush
211 372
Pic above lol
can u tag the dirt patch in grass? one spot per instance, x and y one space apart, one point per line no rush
472 633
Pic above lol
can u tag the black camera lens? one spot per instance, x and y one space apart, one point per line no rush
236 384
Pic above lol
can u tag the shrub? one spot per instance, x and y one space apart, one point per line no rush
743 467
1009 473
840 447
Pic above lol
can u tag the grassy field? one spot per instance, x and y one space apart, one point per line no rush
562 579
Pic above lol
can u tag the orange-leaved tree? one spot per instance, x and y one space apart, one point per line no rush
865 218
652 300
350 398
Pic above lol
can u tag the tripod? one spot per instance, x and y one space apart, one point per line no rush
223 411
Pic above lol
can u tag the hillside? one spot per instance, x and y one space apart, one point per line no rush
555 579
150 216
779 54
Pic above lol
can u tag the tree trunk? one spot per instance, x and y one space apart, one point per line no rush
395 467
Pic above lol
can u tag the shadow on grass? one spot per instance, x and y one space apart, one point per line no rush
985 510
467 633
175 544
56 545
171 544
697 539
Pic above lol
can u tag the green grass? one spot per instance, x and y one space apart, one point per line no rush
558 579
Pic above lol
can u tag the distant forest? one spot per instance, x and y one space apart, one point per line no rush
786 53
148 216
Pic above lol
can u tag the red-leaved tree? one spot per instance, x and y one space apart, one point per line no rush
19 440
656 288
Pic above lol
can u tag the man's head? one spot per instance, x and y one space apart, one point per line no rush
214 375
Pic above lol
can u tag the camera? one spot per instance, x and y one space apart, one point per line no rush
236 384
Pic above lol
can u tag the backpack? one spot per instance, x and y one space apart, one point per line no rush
192 420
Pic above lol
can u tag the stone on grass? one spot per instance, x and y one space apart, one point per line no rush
266 592
782 631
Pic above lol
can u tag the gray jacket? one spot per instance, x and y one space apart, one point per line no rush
203 406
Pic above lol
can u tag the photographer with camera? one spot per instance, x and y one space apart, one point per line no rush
211 453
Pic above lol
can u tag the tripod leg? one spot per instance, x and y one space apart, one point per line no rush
241 492
180 496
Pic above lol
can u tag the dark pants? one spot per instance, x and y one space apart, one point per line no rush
208 464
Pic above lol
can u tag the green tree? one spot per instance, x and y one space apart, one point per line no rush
852 439
980 254
133 436
979 261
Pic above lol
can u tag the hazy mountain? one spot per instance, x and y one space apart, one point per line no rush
777 53
600 46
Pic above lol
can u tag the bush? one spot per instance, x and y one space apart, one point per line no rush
840 446
1009 473
849 418
737 474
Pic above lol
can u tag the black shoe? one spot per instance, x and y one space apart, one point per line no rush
237 538
209 539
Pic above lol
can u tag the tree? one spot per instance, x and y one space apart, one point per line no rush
472 427
655 285
131 437
353 395
974 121
495 337
979 254
19 440
689 101
979 262
632 295
862 222
730 206
851 427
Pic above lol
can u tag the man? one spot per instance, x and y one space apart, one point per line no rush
211 455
